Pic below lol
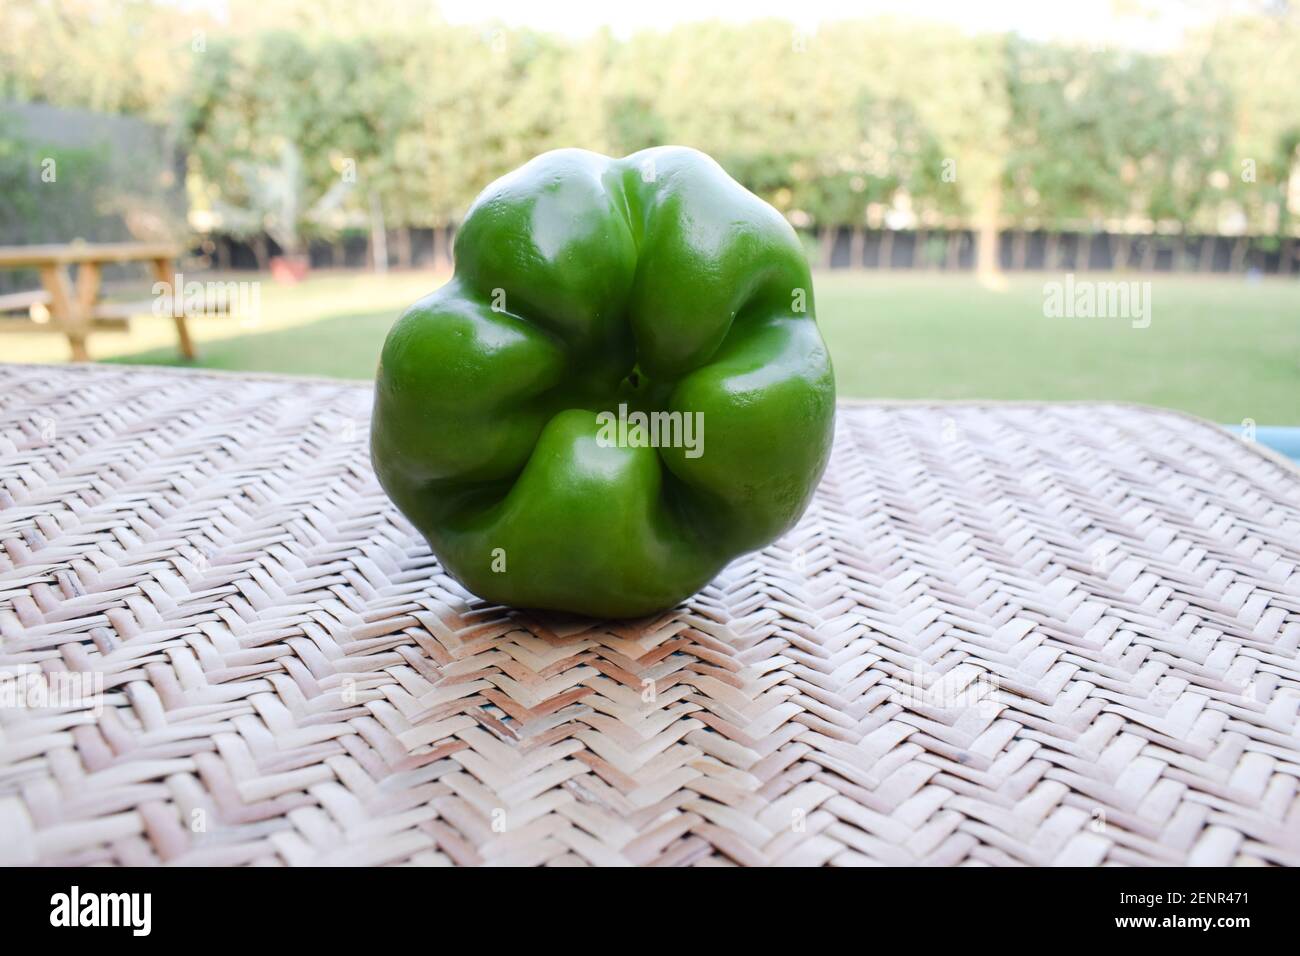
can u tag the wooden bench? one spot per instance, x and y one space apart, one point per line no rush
105 316
24 301
75 310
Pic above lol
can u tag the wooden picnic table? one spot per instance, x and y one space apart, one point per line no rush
73 306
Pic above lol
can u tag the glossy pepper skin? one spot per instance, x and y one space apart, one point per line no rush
582 283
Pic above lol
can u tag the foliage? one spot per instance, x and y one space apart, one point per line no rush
48 189
1111 135
839 127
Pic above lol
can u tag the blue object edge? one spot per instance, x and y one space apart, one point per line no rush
1283 440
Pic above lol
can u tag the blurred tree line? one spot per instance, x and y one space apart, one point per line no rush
307 117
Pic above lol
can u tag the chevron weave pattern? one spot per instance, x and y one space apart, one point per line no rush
1002 635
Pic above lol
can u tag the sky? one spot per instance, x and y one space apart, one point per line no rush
1150 24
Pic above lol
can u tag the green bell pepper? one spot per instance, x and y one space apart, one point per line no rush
621 388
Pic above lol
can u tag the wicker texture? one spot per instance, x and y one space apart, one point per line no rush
1002 634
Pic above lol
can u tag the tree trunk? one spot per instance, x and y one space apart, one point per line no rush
987 266
1120 261
404 247
1204 255
378 236
886 253
261 253
1149 253
443 251
1051 257
1019 250
1238 254
827 245
856 243
986 249
953 257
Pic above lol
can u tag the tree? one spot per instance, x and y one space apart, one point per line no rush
1255 57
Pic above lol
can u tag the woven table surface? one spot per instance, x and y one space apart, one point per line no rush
1003 634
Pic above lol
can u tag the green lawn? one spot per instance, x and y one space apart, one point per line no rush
1226 349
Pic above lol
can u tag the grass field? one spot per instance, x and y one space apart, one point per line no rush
1223 348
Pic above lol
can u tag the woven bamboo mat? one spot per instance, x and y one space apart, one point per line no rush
1002 635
